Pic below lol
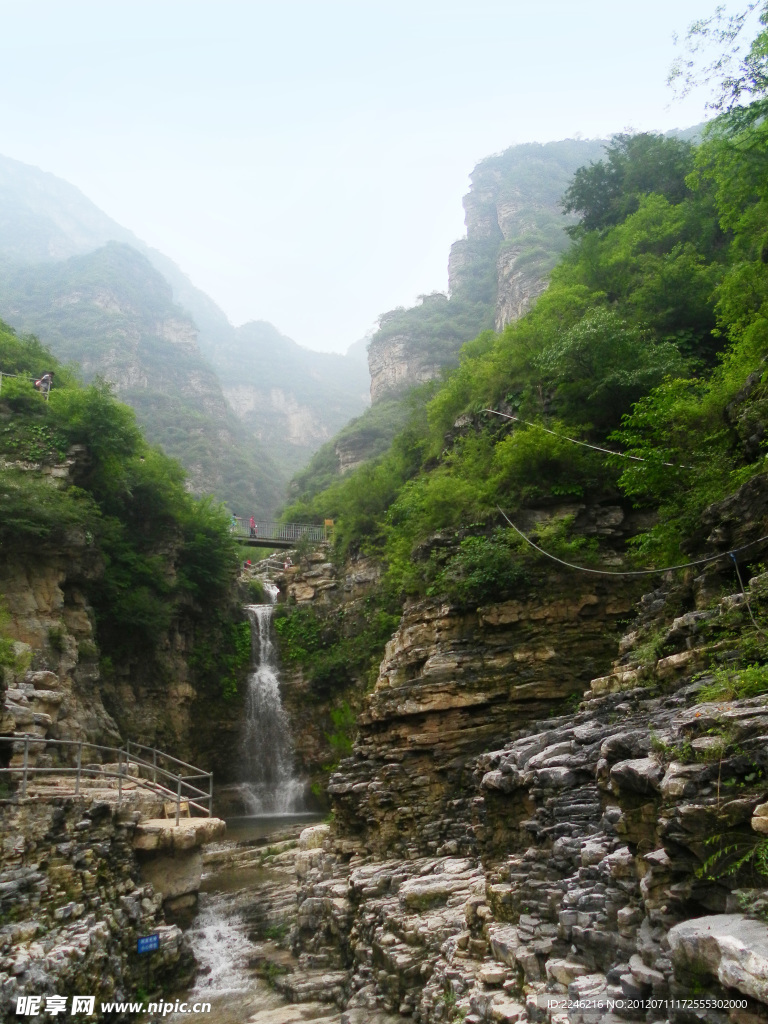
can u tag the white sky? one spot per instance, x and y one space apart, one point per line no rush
304 162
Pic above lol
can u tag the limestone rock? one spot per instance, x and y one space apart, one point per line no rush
730 947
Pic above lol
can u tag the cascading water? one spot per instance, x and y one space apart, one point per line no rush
269 783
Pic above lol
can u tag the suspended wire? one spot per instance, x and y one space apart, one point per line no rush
746 596
597 448
635 572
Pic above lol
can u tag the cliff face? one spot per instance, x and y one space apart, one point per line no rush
63 688
515 232
337 597
595 860
394 366
72 908
290 398
455 683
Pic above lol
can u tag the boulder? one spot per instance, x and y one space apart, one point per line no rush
731 948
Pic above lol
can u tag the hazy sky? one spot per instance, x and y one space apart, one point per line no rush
304 162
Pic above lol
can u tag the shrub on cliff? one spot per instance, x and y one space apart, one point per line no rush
161 548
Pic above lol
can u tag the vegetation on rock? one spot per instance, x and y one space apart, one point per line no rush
650 340
164 553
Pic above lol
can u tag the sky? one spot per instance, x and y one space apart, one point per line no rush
304 162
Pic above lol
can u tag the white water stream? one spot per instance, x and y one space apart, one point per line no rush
222 935
270 785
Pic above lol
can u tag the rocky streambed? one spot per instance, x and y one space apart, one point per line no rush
241 935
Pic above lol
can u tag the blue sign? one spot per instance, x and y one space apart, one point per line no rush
148 943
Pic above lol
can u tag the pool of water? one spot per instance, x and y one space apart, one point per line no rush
255 826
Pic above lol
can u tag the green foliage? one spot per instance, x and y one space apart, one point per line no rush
483 569
734 853
178 402
557 538
9 659
439 326
161 549
604 364
301 634
256 591
651 338
221 654
343 721
336 654
32 509
606 193
729 684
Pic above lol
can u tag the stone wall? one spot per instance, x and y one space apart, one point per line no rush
72 906
454 683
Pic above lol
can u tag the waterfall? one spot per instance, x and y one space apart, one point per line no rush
270 786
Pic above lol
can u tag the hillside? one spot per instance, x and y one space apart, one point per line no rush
549 795
515 233
112 313
111 573
305 396
649 322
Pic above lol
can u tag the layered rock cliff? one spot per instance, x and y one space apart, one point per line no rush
504 852
63 687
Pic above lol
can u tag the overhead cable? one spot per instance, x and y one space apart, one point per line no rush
635 572
584 444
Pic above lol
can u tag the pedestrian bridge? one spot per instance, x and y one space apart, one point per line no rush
265 534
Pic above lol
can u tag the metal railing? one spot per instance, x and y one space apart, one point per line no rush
170 785
265 530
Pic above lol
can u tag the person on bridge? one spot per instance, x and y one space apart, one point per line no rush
43 384
254 527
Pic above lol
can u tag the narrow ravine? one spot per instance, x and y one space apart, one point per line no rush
247 898
247 901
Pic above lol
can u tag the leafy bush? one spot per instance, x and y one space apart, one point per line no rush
484 569
336 654
728 684
340 740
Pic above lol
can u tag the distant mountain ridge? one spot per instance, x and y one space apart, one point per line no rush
98 295
110 311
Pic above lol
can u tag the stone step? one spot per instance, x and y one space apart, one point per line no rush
311 986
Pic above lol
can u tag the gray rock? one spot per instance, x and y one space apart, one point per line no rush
639 775
730 947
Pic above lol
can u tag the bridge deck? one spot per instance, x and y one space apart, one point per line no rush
262 533
265 542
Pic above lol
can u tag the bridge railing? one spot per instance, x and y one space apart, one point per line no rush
266 530
194 790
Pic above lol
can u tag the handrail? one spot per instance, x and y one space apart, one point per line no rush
141 762
183 789
133 745
264 529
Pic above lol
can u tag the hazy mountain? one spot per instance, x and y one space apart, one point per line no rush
515 234
142 323
113 313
